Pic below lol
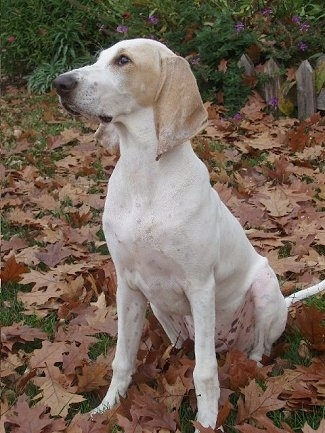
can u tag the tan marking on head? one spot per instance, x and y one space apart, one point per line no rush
179 110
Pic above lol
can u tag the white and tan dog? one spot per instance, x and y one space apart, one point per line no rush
172 240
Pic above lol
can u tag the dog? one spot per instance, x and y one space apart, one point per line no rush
173 242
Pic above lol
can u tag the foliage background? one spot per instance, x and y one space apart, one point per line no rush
41 39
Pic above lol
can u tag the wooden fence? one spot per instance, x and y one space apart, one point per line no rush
303 91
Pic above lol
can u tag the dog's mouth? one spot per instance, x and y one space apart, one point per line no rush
102 118
105 119
70 110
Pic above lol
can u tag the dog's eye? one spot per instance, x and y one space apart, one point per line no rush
122 60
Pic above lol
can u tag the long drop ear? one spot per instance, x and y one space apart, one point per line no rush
179 111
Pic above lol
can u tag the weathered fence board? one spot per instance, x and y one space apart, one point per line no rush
306 95
308 98
272 86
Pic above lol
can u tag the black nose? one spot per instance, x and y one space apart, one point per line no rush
65 83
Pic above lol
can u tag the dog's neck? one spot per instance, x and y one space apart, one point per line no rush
138 139
138 149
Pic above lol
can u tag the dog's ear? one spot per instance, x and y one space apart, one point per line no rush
179 110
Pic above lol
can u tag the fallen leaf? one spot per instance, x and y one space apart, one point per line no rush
256 402
28 419
12 270
53 394
307 429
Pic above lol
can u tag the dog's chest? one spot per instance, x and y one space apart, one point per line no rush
143 245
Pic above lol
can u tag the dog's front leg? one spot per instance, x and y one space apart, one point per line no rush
205 373
131 305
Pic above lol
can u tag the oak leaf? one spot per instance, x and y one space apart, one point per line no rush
238 370
310 321
54 254
49 354
15 243
76 357
277 203
174 393
53 394
93 375
99 423
19 332
146 413
28 419
12 270
256 402
40 279
9 364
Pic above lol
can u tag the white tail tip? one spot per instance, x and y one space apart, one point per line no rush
306 293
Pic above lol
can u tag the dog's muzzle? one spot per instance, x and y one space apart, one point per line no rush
64 85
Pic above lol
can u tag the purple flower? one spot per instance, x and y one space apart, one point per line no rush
267 11
122 29
296 19
239 27
302 46
153 19
237 116
273 102
304 27
195 60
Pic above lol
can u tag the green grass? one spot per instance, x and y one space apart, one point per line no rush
104 342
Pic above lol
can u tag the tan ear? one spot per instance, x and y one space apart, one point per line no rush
179 110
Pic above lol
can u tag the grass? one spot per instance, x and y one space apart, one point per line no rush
27 113
104 342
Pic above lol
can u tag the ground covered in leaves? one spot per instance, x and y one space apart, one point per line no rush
58 311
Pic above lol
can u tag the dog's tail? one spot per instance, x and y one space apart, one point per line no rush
306 293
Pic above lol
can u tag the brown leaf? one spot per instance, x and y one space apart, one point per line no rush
147 413
309 320
54 254
257 402
253 108
202 429
28 419
19 332
48 355
53 394
100 423
12 270
93 375
223 65
307 429
15 243
277 203
76 357
174 394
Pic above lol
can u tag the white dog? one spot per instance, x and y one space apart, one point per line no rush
172 240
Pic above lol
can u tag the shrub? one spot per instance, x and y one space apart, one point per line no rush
52 32
41 38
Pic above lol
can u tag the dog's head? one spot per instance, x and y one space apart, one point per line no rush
132 74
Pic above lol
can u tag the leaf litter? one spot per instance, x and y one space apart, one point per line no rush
269 172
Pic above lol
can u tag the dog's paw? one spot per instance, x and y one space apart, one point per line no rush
99 409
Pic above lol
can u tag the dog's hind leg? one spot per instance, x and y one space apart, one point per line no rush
270 312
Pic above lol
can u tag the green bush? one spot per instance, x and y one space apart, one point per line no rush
42 38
